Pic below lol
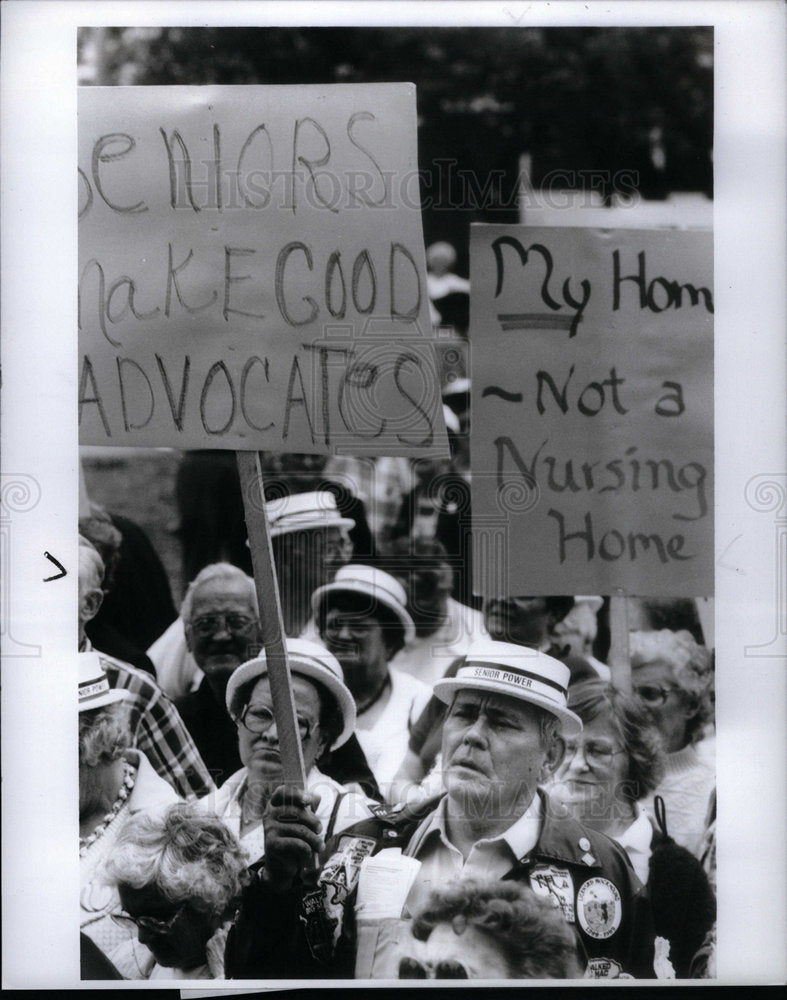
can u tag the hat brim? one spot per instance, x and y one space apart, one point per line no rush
337 587
447 688
108 698
312 525
255 669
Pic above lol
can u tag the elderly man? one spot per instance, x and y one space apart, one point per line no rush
310 542
501 741
156 727
222 630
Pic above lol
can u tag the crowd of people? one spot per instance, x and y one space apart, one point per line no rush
481 801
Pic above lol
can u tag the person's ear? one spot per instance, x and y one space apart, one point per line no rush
556 751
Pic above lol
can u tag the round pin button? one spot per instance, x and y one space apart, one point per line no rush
584 844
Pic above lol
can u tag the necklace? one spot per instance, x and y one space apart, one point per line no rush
360 709
129 778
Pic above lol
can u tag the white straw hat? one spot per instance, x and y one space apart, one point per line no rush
375 583
94 689
518 672
306 659
303 511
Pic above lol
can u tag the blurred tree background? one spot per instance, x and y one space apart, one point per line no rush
584 103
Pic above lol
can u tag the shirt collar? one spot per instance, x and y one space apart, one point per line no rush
638 836
521 837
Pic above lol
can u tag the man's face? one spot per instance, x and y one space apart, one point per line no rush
493 754
522 620
318 553
224 630
259 750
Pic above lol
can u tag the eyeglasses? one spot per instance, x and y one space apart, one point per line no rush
210 624
260 720
411 968
596 754
653 694
161 928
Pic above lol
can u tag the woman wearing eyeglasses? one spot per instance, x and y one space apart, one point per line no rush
607 770
115 782
325 711
180 875
672 677
490 930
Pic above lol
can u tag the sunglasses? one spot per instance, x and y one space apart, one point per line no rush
161 928
653 694
411 968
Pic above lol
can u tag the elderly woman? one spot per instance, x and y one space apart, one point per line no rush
492 930
114 783
179 875
325 712
672 678
607 771
363 620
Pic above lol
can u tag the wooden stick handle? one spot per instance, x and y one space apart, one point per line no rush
271 620
619 660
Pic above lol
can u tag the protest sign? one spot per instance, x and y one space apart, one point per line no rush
252 272
592 411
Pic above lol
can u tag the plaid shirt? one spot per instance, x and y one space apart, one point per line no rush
157 729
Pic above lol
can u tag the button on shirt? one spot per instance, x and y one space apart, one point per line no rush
489 858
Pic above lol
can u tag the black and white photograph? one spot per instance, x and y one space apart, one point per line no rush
393 462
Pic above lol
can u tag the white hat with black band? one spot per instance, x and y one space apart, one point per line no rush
94 687
517 672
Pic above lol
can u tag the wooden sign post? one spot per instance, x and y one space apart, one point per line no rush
271 619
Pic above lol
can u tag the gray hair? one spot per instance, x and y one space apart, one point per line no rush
186 854
691 666
104 735
217 571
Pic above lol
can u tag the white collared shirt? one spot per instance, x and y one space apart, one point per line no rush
636 841
489 858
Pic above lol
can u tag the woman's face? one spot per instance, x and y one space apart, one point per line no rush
259 751
175 933
591 779
654 686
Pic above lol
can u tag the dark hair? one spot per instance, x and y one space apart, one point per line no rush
632 725
531 933
353 601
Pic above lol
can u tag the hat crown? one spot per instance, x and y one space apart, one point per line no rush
355 576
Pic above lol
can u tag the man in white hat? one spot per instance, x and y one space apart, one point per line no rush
363 620
325 711
502 739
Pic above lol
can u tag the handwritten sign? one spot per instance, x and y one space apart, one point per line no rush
252 272
592 430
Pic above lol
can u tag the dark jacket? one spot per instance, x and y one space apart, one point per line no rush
596 888
682 900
